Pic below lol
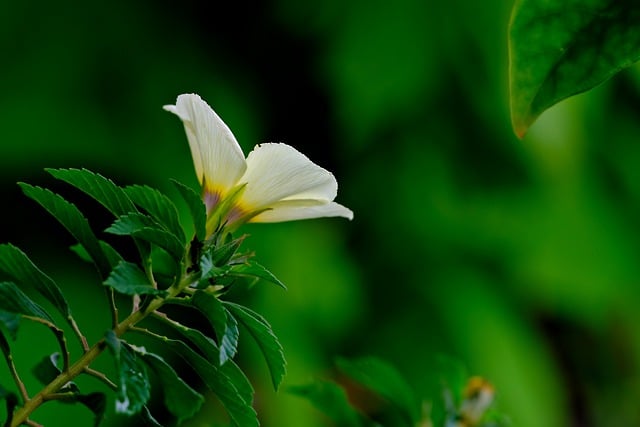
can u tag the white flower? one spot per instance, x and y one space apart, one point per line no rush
274 183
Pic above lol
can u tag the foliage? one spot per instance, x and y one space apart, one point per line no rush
206 269
560 48
371 392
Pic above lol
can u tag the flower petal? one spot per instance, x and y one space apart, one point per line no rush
295 210
278 172
217 157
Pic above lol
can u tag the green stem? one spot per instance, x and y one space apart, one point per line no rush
101 376
16 377
22 414
59 333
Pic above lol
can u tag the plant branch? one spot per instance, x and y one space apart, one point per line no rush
76 330
101 376
21 416
16 377
59 333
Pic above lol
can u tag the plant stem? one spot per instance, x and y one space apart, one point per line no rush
22 414
16 377
101 376
59 333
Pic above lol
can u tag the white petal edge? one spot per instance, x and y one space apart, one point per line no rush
292 211
278 172
217 156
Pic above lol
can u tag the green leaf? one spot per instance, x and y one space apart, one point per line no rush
128 279
72 219
221 255
196 208
47 369
20 268
10 323
97 403
134 389
103 190
559 48
12 400
143 227
148 419
126 225
239 409
180 399
225 325
262 333
13 300
253 269
331 400
112 255
383 379
158 206
211 353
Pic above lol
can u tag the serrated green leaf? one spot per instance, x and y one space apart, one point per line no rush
225 326
221 255
112 255
134 389
262 333
211 353
102 189
253 269
126 225
145 228
180 399
128 279
47 369
240 410
331 400
196 208
559 48
158 206
72 219
13 300
9 322
384 380
17 265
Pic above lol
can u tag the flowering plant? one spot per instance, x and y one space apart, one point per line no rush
188 273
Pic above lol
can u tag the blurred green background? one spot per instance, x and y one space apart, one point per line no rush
517 258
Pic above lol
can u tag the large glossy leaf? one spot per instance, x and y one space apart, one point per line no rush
17 265
196 208
102 189
180 399
72 219
262 333
225 325
128 279
158 206
559 48
134 389
13 300
332 400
